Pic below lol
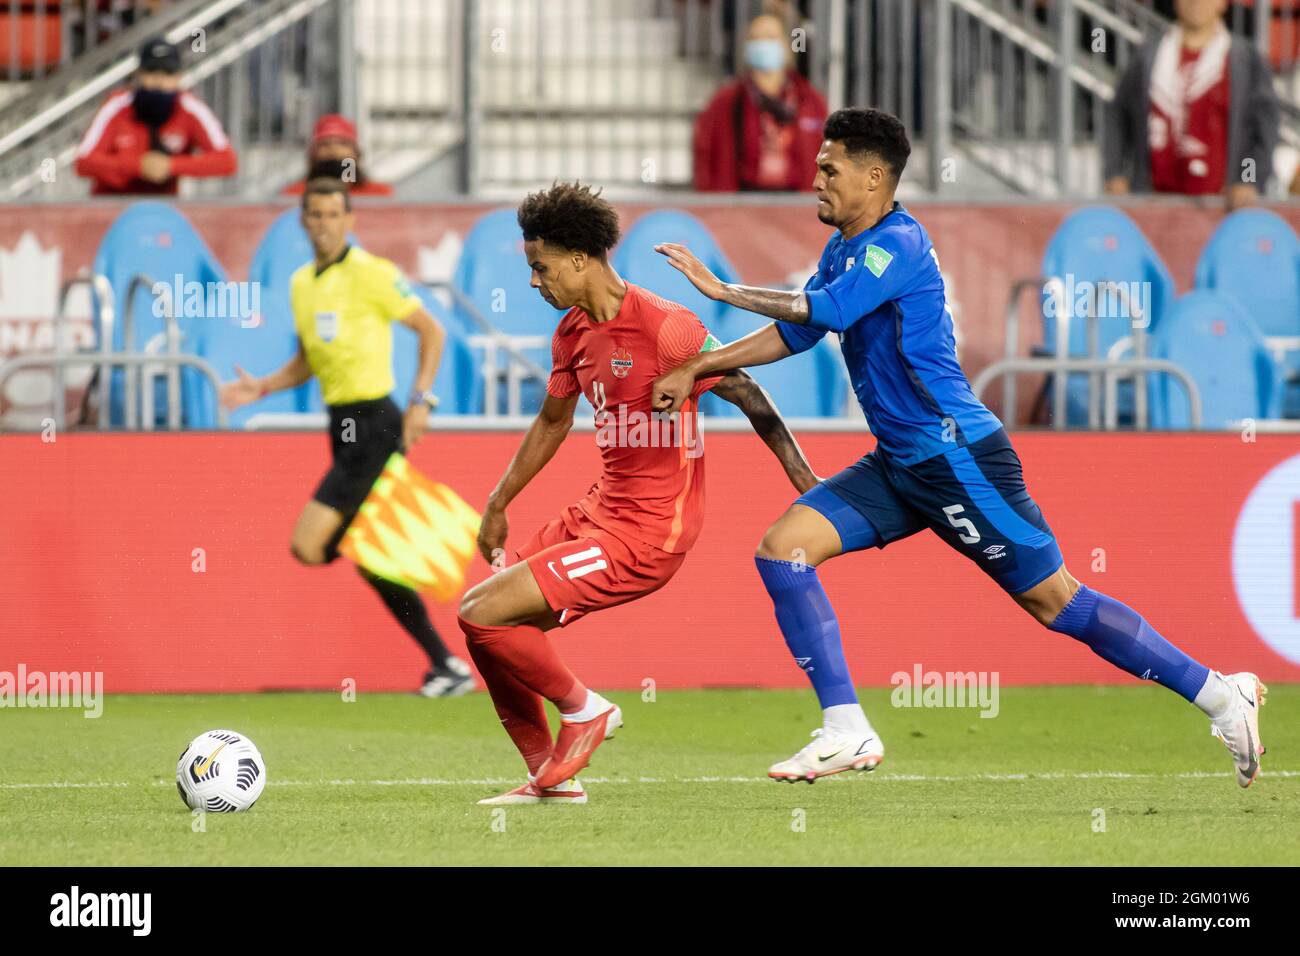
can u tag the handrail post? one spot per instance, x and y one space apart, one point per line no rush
104 292
1065 42
1060 378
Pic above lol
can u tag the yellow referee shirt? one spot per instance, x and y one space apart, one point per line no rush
343 318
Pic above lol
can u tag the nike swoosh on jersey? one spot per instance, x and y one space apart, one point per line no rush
551 565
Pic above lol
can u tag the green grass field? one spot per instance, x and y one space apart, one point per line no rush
393 779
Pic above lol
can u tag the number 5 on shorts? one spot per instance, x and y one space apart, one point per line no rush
962 524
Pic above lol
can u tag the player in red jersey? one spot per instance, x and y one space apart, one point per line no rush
631 532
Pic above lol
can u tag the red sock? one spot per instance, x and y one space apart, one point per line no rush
521 711
526 652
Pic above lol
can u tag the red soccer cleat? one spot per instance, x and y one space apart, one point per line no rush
569 792
575 745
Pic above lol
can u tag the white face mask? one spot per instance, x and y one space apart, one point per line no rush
765 55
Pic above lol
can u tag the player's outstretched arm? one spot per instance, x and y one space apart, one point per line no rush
747 395
762 347
779 304
540 443
247 389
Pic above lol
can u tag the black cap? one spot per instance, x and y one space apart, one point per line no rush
159 56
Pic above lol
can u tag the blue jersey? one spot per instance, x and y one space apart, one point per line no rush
882 293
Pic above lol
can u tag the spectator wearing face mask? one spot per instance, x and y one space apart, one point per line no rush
762 130
334 154
144 138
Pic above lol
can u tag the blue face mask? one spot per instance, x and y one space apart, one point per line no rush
765 55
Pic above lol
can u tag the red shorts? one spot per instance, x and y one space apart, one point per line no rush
580 567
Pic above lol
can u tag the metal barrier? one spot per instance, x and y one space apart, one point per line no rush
1062 367
1135 311
519 367
486 97
143 379
102 291
104 361
267 68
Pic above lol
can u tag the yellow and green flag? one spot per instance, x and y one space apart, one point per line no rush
413 531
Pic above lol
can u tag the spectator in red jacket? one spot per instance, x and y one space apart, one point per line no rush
762 130
334 154
144 138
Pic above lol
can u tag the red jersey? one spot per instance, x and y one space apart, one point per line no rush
110 151
1189 129
652 485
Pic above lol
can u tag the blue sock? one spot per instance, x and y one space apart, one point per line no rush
1120 635
811 631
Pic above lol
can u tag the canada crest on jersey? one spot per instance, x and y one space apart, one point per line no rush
620 362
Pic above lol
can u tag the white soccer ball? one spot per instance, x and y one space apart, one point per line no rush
220 771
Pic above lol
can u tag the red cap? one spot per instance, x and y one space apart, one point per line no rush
333 126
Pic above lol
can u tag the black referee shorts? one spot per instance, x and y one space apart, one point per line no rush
362 437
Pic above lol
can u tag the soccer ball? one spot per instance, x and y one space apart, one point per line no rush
220 771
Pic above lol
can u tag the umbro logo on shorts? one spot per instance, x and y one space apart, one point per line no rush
996 551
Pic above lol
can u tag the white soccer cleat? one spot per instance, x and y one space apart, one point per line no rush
453 679
1239 727
831 752
568 792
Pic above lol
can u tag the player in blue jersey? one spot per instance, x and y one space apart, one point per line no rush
942 460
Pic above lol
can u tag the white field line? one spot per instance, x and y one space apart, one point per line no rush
509 781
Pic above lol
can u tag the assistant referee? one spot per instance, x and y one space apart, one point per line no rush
343 306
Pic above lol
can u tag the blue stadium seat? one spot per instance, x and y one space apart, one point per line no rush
459 384
1254 256
494 275
1096 245
812 384
266 346
1219 345
636 261
154 239
283 250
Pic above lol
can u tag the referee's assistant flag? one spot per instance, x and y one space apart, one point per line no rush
413 531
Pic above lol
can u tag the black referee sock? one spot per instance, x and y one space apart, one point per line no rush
407 606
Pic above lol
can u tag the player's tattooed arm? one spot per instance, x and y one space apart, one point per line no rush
540 443
784 306
746 394
761 347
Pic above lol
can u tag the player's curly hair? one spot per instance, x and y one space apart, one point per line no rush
863 131
571 216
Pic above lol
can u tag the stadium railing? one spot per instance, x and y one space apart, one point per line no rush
1110 368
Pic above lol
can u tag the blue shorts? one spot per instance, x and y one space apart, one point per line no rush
973 497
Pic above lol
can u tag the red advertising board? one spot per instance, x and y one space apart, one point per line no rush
163 561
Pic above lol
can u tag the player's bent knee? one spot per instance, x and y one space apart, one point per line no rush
770 547
793 540
1048 599
475 605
